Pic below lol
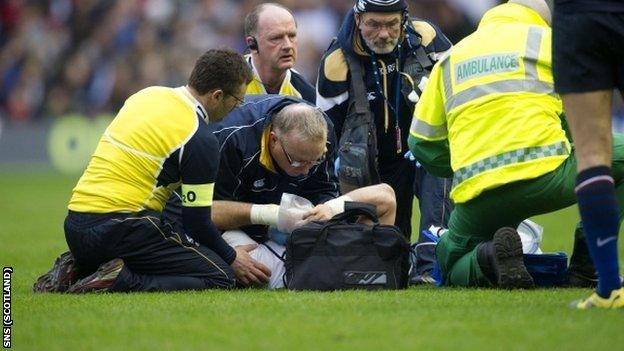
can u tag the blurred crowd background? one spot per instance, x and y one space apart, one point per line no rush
87 56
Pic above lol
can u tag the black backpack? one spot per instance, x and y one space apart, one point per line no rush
357 147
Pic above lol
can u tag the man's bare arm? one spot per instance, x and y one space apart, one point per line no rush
228 215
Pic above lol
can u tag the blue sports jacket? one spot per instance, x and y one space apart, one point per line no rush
243 177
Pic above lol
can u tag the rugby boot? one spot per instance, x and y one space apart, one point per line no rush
501 261
64 273
615 300
100 281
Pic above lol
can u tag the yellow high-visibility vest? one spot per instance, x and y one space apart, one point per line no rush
493 99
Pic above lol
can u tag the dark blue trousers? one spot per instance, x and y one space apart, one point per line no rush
435 209
432 192
156 257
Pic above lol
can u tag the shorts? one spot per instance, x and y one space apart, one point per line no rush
588 51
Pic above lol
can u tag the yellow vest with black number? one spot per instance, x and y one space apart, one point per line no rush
129 171
493 99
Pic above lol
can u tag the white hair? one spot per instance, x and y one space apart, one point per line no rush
307 120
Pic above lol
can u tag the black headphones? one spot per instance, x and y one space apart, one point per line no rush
252 43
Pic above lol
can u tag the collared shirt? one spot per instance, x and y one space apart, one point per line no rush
247 171
293 84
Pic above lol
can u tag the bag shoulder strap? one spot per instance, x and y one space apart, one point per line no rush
359 114
423 58
357 86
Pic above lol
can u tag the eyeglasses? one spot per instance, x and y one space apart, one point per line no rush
239 101
377 26
298 164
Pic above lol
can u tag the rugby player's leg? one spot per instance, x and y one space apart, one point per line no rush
139 253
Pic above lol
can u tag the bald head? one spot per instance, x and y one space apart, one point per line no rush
303 119
263 13
298 138
538 6
271 34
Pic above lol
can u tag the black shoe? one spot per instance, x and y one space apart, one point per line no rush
505 265
64 272
581 272
100 281
578 280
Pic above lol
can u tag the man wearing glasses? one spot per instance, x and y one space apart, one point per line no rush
396 55
238 101
272 145
159 140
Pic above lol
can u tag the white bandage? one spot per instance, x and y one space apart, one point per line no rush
264 214
337 205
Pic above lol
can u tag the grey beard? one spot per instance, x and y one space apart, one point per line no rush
378 50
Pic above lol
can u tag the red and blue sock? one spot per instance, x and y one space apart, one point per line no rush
599 209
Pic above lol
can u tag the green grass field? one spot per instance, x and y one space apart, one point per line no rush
31 215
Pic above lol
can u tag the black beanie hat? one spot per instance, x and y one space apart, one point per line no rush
380 6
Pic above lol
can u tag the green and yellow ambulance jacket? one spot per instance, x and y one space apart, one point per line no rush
158 140
491 104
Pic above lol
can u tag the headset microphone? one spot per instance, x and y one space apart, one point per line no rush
252 43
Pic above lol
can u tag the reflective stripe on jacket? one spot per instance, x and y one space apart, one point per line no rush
493 99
